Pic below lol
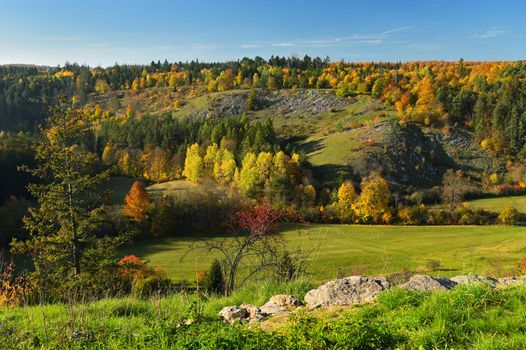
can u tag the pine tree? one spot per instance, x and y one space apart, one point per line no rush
64 240
252 101
214 282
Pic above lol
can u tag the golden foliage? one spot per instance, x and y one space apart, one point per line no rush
137 202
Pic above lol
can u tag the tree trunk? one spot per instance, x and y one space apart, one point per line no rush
75 244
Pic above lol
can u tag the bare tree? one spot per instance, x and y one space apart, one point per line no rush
254 246
454 188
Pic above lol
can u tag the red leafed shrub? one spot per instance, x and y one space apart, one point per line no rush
131 265
261 220
143 280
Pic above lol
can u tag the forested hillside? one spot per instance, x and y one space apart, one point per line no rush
484 97
336 121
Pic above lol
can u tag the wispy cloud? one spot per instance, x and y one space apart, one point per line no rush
283 44
490 33
353 39
250 46
62 38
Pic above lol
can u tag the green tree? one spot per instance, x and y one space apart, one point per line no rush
252 102
214 281
64 241
378 88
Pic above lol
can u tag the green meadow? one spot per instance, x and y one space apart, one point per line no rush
336 250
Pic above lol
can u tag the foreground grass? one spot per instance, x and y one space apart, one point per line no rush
467 317
351 249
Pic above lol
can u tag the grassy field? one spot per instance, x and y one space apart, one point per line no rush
468 317
499 203
119 186
347 250
186 190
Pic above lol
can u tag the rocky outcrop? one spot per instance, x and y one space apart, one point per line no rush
428 283
349 290
474 279
357 290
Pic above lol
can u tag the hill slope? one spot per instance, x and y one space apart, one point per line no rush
340 136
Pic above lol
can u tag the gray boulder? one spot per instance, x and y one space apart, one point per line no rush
279 303
428 283
506 282
232 314
271 308
349 290
475 279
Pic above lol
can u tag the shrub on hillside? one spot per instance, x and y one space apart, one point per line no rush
433 265
413 215
156 284
142 280
521 266
508 216
12 289
288 268
214 282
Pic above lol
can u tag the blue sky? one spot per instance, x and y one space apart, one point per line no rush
102 32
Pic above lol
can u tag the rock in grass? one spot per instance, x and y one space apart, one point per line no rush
252 311
349 290
271 308
279 303
428 283
506 282
232 314
285 300
475 279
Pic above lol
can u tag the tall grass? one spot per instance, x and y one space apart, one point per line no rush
475 317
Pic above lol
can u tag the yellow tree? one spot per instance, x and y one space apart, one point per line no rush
373 201
427 108
248 176
108 154
346 194
157 165
209 160
193 164
224 166
310 194
125 162
264 166
136 85
137 202
346 198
